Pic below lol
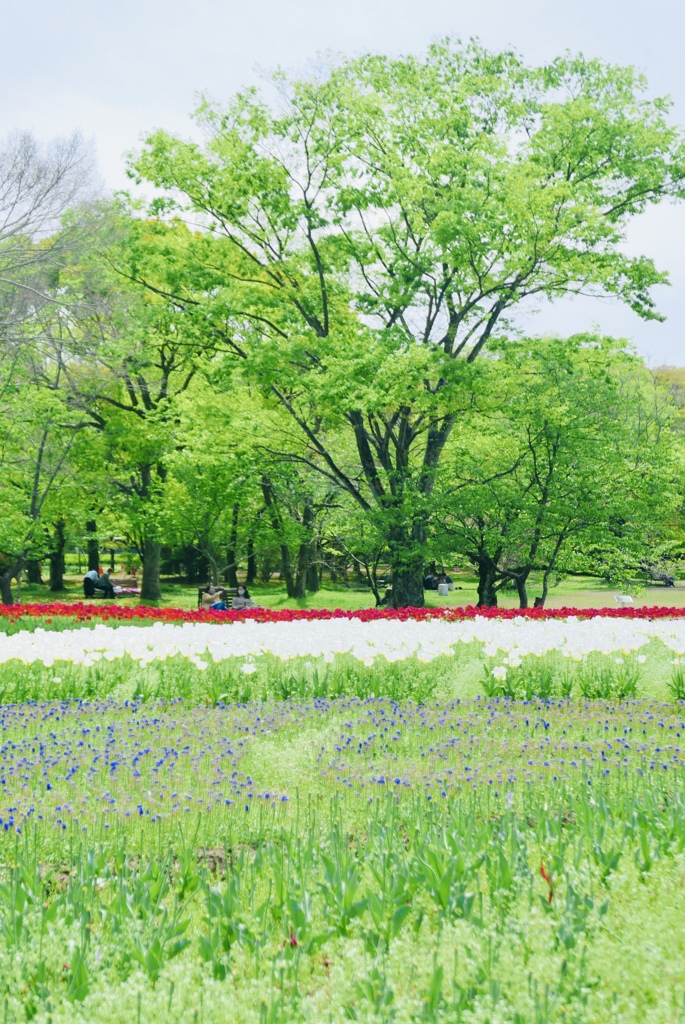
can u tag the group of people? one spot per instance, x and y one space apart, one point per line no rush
215 599
434 580
95 583
99 584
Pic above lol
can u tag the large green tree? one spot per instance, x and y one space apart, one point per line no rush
39 442
361 241
126 356
570 466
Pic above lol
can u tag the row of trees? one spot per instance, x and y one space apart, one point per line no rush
301 349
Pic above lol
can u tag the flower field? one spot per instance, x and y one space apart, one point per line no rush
463 818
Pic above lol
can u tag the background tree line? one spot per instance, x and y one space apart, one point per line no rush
300 351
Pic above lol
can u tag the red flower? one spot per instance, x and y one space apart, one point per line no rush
81 612
548 878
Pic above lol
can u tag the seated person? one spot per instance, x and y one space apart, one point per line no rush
105 585
89 582
242 599
211 596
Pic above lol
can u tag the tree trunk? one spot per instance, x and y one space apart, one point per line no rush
33 571
407 587
150 589
93 549
251 563
231 554
313 582
522 591
196 565
487 577
311 569
286 567
6 595
301 578
372 579
520 578
540 601
406 565
286 571
213 569
190 562
57 559
267 569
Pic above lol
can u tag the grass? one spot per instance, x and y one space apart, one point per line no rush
580 592
460 861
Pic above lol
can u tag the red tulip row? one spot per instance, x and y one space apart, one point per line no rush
82 612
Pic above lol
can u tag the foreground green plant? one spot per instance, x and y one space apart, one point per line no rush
445 862
233 680
378 901
596 677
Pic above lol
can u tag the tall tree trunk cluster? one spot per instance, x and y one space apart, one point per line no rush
300 573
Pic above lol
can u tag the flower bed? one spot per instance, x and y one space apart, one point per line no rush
296 814
81 611
330 858
413 659
391 639
366 641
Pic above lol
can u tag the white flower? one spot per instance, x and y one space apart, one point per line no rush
507 641
248 668
499 672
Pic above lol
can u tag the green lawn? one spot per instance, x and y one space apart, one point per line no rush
580 592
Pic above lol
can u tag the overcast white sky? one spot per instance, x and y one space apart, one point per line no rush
117 70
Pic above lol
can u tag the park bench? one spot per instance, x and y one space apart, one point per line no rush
230 593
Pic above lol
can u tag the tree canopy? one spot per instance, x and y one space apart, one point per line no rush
306 341
359 244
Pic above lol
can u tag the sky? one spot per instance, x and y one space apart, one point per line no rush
118 70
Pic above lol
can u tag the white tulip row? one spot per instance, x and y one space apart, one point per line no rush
394 640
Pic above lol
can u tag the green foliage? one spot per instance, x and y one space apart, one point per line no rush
225 681
677 682
421 912
369 236
567 466
595 677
